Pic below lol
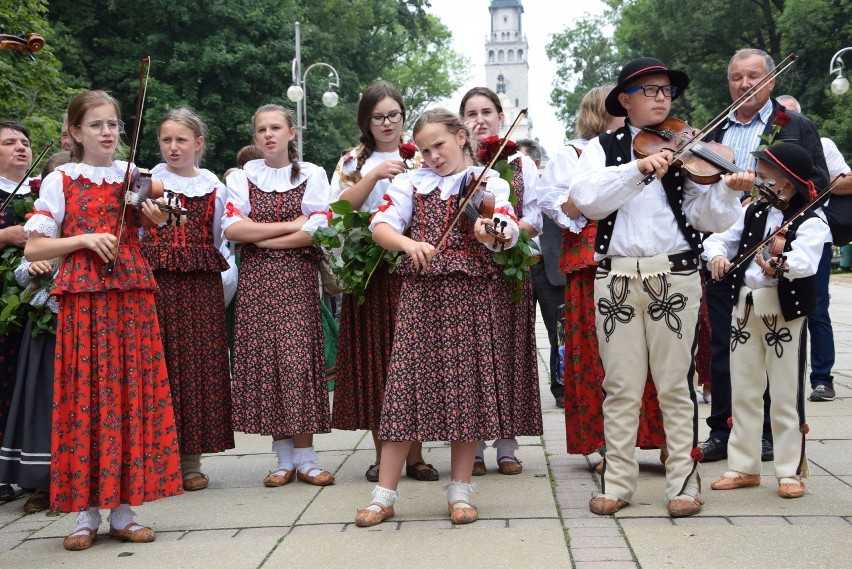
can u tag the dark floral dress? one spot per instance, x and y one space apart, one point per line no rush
191 308
114 436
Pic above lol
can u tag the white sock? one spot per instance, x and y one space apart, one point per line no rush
190 463
87 519
505 449
284 450
385 496
458 490
480 452
305 460
121 516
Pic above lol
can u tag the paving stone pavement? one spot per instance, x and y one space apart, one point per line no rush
539 518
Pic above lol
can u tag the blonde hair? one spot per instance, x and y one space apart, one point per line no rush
187 117
292 151
77 109
592 118
451 121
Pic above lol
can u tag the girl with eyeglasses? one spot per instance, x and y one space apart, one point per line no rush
279 379
362 177
190 302
520 410
114 439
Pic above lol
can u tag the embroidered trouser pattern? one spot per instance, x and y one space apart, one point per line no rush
767 348
648 322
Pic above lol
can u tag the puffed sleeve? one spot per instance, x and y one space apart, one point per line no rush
340 180
218 213
237 204
531 212
397 205
502 210
553 187
315 201
49 208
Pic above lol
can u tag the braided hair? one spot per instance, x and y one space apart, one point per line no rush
372 96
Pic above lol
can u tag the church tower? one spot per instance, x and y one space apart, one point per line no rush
506 67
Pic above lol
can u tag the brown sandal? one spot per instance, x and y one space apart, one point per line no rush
140 533
193 481
422 472
463 515
368 518
372 474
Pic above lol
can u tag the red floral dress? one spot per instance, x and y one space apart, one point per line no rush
114 437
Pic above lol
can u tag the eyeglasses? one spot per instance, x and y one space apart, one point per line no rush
652 90
98 126
393 118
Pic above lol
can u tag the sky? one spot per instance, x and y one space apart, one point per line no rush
470 22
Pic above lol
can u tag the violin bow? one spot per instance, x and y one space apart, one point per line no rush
27 175
144 73
466 199
733 107
739 260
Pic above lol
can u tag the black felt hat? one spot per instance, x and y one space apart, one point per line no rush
640 68
796 164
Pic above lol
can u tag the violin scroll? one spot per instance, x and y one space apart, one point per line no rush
21 43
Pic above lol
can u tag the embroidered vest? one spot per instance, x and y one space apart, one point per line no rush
618 151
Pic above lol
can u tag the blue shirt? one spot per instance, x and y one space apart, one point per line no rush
743 138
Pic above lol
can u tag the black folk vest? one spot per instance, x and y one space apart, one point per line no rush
617 147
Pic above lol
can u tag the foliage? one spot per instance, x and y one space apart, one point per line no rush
354 256
516 262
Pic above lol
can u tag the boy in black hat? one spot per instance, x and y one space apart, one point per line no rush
647 287
768 334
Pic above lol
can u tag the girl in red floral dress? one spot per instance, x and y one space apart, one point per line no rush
190 303
279 380
583 371
449 352
114 439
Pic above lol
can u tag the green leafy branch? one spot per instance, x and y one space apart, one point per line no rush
516 262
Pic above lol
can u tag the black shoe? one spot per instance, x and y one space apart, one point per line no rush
767 454
8 493
822 393
560 402
714 449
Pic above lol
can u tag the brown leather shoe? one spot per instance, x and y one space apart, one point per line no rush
80 542
791 489
372 474
273 480
604 506
324 478
38 502
734 482
193 481
479 468
464 515
422 472
141 534
683 506
368 518
510 466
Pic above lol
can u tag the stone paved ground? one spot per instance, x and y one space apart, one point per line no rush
537 519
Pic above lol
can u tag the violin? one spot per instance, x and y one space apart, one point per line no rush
481 205
22 43
140 188
773 253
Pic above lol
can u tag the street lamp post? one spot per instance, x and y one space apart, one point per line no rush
297 91
841 84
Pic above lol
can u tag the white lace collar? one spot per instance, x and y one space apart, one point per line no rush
275 179
113 174
8 186
425 180
196 186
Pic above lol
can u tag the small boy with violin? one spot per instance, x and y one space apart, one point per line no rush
647 287
774 289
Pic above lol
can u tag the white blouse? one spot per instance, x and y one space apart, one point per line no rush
424 181
196 186
8 186
554 184
314 202
531 213
346 167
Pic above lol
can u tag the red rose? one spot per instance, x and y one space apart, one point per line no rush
35 186
696 454
407 150
489 146
781 118
730 421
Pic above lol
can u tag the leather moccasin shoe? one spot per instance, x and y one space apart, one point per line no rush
38 502
274 480
714 450
138 534
684 505
741 480
324 478
368 518
78 542
604 506
791 489
193 481
509 465
464 514
479 468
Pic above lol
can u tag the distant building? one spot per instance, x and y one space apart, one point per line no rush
506 67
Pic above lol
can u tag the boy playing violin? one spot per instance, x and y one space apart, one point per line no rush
773 295
647 287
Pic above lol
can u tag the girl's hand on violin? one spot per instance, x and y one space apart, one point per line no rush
719 267
104 244
655 163
421 253
740 181
39 268
153 212
387 170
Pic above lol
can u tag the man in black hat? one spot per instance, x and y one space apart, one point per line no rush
774 296
647 289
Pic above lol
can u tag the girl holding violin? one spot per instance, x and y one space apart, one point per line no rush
279 379
447 359
187 264
114 439
482 113
362 178
774 294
